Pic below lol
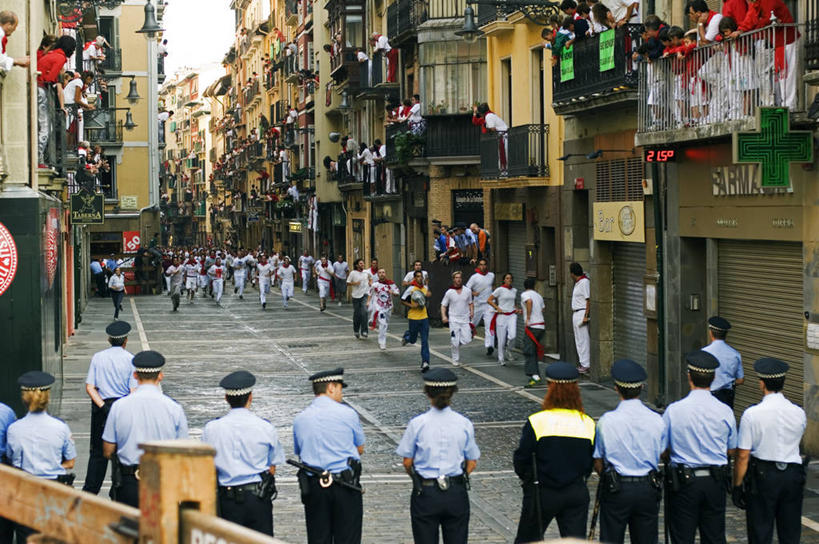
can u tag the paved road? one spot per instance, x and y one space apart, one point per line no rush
203 342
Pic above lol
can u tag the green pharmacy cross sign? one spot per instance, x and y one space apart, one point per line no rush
774 146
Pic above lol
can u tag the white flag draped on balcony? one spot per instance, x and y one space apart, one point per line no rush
312 213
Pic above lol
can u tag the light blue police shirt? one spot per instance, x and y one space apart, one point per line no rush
245 446
438 441
96 267
730 365
701 430
326 434
631 438
112 372
143 416
7 417
39 443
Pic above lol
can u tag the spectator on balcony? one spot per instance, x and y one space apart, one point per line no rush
677 51
74 97
565 36
490 122
387 175
582 24
415 121
737 9
93 53
331 166
404 110
164 115
365 163
391 114
381 44
8 24
293 191
49 67
744 78
162 49
625 11
482 238
46 45
284 160
706 21
602 17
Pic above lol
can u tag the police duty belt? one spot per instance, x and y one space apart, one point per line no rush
325 478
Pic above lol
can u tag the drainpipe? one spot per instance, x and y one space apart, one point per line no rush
658 242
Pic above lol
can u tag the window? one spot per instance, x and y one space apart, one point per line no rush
453 76
108 180
619 180
506 90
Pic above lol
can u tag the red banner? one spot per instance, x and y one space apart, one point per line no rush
130 241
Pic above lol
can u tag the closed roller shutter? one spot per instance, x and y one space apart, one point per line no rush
516 247
628 269
760 293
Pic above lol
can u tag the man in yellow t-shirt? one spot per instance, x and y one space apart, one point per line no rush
415 298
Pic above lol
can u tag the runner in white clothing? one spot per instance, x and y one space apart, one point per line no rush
239 273
340 271
191 277
417 265
457 310
481 283
306 266
287 275
216 273
380 299
324 280
533 306
581 295
265 271
504 322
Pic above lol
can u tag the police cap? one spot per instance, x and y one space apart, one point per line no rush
327 376
35 380
561 372
440 377
627 373
701 361
769 367
238 383
718 323
118 329
146 362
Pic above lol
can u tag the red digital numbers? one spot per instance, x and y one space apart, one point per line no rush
659 155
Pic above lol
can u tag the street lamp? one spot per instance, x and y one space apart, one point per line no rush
470 31
539 12
129 121
150 26
133 94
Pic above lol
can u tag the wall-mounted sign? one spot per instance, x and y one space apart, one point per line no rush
87 208
130 241
128 202
508 211
774 146
741 180
51 244
619 221
294 226
8 258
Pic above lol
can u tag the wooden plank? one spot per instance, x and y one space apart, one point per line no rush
198 528
59 511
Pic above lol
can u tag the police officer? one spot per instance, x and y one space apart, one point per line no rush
110 377
702 435
768 461
439 452
39 443
559 442
630 440
7 417
327 436
143 416
729 374
247 453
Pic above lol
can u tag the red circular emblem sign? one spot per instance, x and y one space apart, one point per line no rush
51 235
8 258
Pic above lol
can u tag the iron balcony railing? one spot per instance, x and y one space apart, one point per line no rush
812 36
55 151
488 13
722 82
112 61
522 151
444 136
251 92
403 17
589 78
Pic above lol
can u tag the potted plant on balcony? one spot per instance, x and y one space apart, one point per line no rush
408 146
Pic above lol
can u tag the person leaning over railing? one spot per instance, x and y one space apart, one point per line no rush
8 24
49 67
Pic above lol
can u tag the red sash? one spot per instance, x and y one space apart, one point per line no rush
537 344
332 291
495 318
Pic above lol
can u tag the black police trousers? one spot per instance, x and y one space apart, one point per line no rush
97 463
247 510
333 514
725 396
6 531
128 492
776 502
433 508
698 504
636 506
569 505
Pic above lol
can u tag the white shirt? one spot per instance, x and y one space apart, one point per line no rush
293 191
481 284
382 151
287 273
362 56
363 281
366 156
712 30
341 269
619 7
382 294
457 304
216 272
239 265
306 262
494 122
6 62
292 115
163 116
191 270
411 274
505 298
415 113
71 89
116 282
283 156
382 44
324 271
535 321
92 51
162 50
580 294
265 271
772 429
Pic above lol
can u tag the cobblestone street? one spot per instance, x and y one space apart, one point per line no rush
203 342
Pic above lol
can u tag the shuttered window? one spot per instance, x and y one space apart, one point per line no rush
516 246
760 293
619 180
628 269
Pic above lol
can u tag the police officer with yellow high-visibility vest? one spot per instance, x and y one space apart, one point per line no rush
554 458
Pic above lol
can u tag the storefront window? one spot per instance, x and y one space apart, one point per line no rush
453 76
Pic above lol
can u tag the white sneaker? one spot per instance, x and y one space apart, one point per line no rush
382 348
456 363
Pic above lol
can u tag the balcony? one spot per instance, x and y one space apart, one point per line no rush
590 88
488 13
371 81
448 139
520 153
251 92
112 63
291 68
102 128
812 39
291 12
403 18
731 81
160 69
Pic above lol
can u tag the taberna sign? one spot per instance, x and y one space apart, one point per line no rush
619 221
87 208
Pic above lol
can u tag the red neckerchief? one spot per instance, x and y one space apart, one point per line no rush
5 42
506 286
583 277
456 288
386 282
374 271
416 285
481 273
710 16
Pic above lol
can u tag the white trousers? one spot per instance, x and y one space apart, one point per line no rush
581 338
218 287
203 281
485 311
287 292
460 334
264 289
383 325
506 329
323 287
168 284
389 181
305 280
190 285
787 77
239 281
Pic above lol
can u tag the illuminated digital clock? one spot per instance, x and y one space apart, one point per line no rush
660 155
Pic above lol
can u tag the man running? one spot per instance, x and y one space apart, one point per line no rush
381 300
265 272
306 266
417 266
481 283
457 310
239 273
287 276
324 280
216 272
176 273
415 298
191 277
359 280
340 271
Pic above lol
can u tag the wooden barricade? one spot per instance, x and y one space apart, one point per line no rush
177 498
